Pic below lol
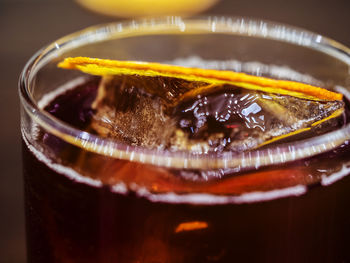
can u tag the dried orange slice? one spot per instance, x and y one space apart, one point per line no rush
103 67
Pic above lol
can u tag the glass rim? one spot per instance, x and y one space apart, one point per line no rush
256 28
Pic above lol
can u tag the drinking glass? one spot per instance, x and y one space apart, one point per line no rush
94 199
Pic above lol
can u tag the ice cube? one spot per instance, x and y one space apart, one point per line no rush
176 114
127 113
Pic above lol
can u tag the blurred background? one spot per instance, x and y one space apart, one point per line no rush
28 25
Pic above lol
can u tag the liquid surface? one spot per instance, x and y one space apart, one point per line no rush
153 110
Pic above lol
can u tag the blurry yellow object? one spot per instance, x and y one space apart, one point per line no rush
133 8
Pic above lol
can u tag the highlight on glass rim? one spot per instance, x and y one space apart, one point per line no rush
185 152
142 8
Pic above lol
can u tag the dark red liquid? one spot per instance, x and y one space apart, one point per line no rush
70 221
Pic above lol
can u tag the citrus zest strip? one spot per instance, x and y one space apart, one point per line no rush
277 138
103 67
335 114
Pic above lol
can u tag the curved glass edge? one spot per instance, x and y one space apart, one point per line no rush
234 25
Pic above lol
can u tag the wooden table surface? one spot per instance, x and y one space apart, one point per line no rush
27 25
